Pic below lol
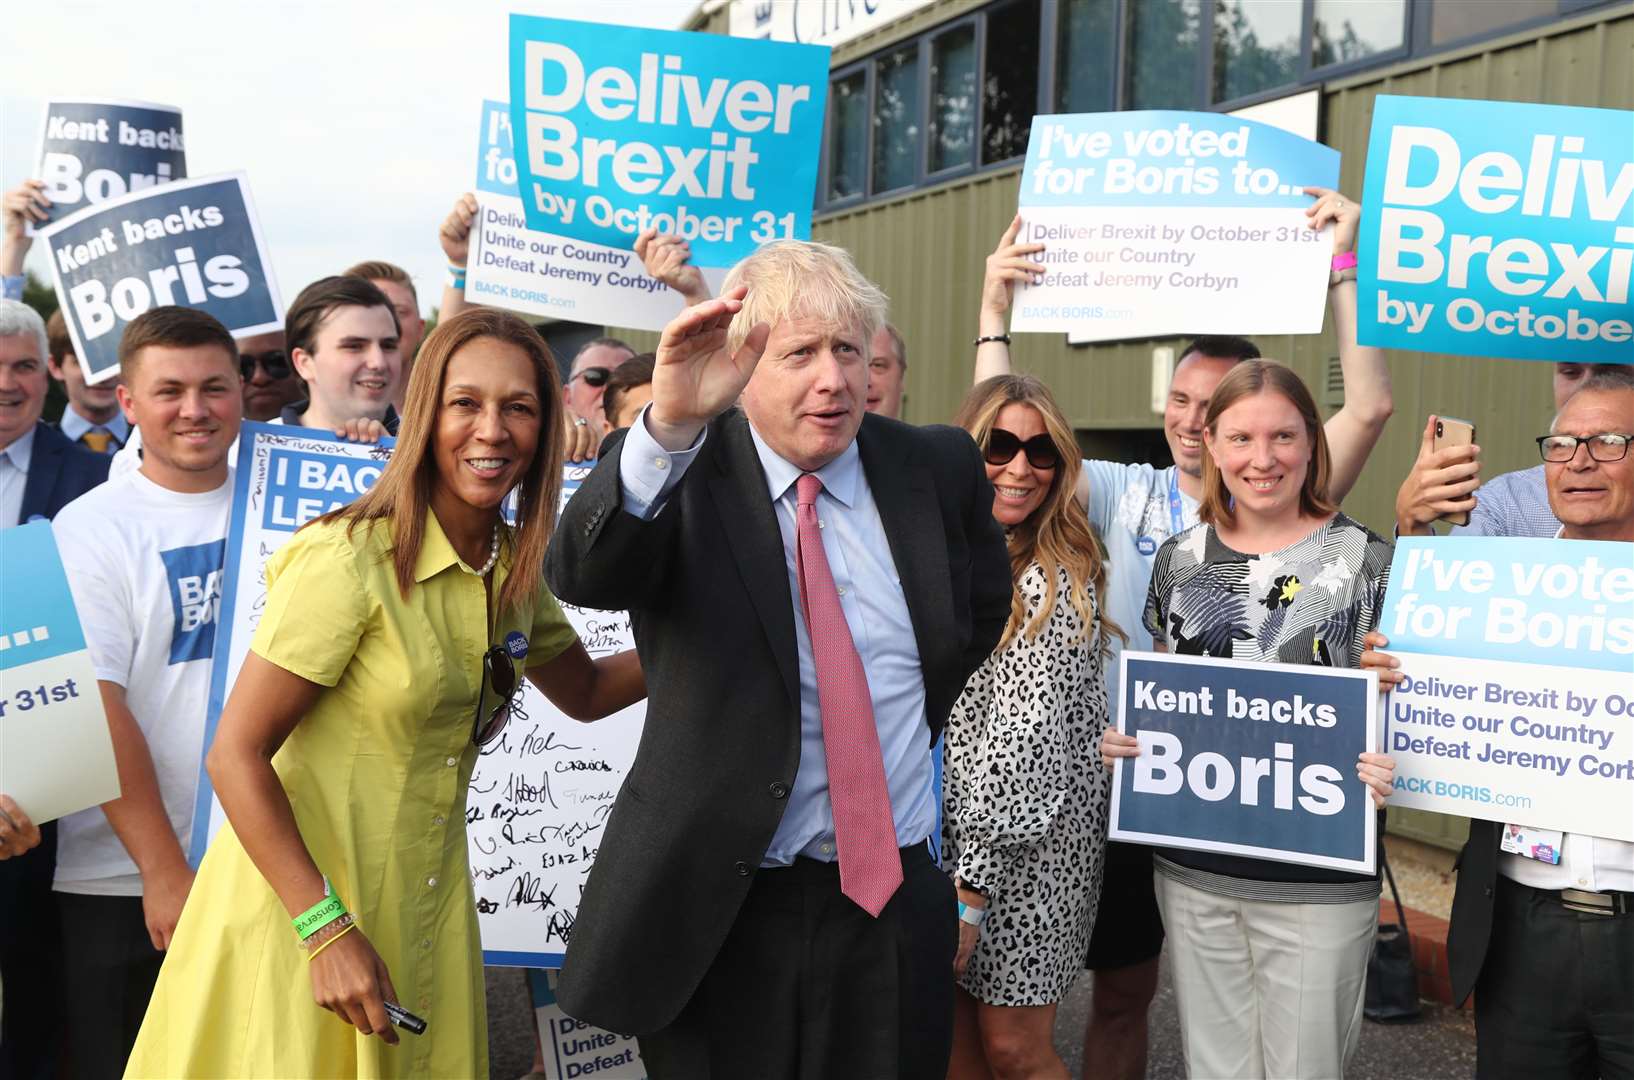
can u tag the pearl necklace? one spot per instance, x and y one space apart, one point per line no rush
493 557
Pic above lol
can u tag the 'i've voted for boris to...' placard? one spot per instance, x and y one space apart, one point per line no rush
284 477
510 265
709 137
56 756
1498 228
92 151
1150 217
1518 701
195 243
1247 759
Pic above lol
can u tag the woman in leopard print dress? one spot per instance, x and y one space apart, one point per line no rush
1024 801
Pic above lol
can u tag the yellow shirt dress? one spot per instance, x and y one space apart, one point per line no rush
376 774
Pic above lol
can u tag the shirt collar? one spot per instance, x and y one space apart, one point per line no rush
21 451
437 553
839 476
73 425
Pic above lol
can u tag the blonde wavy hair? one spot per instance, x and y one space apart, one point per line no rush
801 279
1058 534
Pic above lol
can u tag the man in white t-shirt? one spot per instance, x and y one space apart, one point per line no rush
144 555
1134 508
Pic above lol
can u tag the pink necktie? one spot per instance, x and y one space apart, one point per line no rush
870 864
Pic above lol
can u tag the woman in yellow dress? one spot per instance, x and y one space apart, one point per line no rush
388 651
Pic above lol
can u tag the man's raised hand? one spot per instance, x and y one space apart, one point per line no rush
667 258
695 377
455 233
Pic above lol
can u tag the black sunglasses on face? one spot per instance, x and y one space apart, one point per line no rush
593 376
275 362
499 686
1002 446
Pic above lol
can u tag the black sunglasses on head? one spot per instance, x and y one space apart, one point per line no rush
594 376
1002 446
275 362
499 678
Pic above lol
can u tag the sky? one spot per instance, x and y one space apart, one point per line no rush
355 120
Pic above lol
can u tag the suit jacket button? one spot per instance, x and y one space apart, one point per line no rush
1487 890
779 789
742 868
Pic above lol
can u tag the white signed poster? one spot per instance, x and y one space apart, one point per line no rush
539 800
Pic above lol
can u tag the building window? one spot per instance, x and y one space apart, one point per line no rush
848 136
1086 54
1256 47
1345 31
1010 80
953 98
896 119
1165 49
1454 21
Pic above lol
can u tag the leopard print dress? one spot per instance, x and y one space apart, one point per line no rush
1025 801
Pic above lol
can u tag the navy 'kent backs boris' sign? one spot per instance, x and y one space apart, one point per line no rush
195 243
1246 758
94 151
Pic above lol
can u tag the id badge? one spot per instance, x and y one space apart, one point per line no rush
1529 843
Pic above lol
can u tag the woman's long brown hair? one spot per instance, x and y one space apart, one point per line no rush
402 495
1058 533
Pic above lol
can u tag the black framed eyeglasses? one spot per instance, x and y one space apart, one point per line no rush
1002 446
1610 446
494 701
275 362
593 376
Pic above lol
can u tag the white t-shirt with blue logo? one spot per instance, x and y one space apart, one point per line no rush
1134 508
144 564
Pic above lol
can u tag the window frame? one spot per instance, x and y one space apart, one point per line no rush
1415 45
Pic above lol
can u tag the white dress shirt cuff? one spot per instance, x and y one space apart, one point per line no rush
647 473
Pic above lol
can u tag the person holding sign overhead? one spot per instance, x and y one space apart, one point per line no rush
394 636
810 587
1543 932
1024 807
1269 959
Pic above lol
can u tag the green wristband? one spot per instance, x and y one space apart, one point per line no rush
318 916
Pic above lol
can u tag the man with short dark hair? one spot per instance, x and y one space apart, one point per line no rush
342 334
144 555
628 390
92 418
41 471
596 359
270 382
395 282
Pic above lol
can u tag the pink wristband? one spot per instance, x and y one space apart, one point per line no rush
1344 262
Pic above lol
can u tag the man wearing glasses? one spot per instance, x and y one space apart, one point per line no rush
1547 945
1444 482
270 382
592 364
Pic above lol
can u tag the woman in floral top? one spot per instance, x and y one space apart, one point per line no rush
1269 959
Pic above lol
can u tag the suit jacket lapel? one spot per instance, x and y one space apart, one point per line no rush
738 486
905 494
44 464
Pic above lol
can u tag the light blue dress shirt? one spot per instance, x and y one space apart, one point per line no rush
14 461
876 611
73 425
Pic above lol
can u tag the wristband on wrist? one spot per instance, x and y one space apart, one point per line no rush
1345 261
970 914
330 940
319 915
991 337
456 277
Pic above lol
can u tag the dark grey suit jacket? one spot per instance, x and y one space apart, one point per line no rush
1469 933
708 594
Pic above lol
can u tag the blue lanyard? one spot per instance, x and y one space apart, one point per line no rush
1177 520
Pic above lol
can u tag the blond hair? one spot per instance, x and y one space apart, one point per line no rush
402 495
1058 534
1252 377
803 279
